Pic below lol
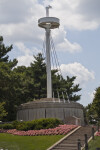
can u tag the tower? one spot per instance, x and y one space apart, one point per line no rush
48 23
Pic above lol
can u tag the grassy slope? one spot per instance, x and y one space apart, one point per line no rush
94 143
11 142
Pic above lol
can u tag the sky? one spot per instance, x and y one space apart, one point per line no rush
76 41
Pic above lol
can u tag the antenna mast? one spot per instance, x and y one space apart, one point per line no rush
48 23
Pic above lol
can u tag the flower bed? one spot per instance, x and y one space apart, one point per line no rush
3 131
98 133
60 130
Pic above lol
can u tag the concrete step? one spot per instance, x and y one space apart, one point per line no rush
70 143
66 144
65 149
78 137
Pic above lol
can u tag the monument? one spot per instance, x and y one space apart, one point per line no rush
68 112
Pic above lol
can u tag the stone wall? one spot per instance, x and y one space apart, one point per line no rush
60 110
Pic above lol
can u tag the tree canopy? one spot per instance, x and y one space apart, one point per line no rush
93 109
8 79
3 112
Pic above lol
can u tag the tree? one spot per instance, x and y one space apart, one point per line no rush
25 90
93 110
3 112
89 114
71 89
4 54
8 80
32 80
96 105
38 73
67 87
56 83
59 84
8 87
3 51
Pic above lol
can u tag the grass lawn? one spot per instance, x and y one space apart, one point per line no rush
94 143
13 142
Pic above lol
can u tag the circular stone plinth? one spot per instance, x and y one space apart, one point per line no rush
50 109
54 22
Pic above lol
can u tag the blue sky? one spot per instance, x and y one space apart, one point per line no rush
76 41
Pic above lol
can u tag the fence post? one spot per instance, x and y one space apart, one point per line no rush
98 127
79 144
86 142
92 133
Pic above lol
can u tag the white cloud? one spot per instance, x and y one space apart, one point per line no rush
68 46
63 44
76 69
25 60
18 11
46 2
80 15
28 32
27 54
91 95
90 8
22 48
19 21
87 97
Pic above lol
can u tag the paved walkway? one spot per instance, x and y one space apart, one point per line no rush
70 142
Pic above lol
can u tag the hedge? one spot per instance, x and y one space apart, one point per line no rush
32 125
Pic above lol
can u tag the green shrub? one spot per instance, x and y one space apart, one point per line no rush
1 126
15 123
22 126
49 122
32 124
7 126
38 127
37 124
49 126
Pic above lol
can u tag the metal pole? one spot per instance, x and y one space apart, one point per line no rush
58 96
98 126
53 97
63 97
48 64
79 144
92 133
86 142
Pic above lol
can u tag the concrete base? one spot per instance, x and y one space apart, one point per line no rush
50 108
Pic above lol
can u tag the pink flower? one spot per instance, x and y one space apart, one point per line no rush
98 133
60 130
